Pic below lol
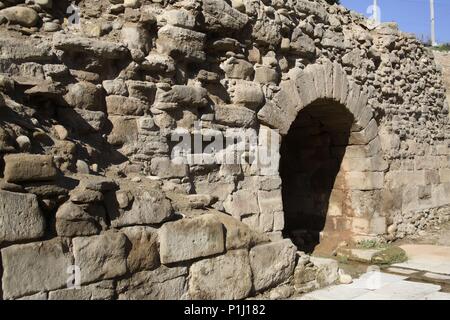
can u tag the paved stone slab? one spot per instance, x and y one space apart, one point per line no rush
436 276
401 271
429 258
437 296
379 286
375 280
338 292
401 290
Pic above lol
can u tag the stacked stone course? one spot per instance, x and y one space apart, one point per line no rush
87 113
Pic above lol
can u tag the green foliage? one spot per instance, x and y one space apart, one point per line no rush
443 47
370 244
333 1
390 255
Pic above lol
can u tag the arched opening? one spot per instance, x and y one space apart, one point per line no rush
311 156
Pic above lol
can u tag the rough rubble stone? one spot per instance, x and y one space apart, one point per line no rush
234 116
148 205
166 168
85 95
24 16
181 96
80 220
221 17
178 17
126 106
103 49
181 43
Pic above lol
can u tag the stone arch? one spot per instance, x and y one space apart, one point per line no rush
325 90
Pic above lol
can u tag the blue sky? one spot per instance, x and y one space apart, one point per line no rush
411 15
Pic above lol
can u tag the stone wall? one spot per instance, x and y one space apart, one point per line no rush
89 110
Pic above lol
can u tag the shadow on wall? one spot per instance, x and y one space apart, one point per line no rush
311 156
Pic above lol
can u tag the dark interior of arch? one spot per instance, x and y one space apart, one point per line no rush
311 156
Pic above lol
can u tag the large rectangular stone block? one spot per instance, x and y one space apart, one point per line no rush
242 202
338 78
224 277
161 284
179 41
270 201
376 163
103 290
101 257
366 135
305 85
29 167
191 238
364 180
35 267
444 175
272 263
20 217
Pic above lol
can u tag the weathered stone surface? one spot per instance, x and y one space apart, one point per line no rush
234 116
80 220
248 94
124 130
181 43
181 96
136 37
29 167
238 69
225 277
188 239
103 49
302 44
272 263
158 63
119 105
25 50
144 252
34 267
360 113
85 95
101 257
220 16
147 205
161 284
177 17
20 217
24 16
103 290
165 168
242 202
327 270
238 234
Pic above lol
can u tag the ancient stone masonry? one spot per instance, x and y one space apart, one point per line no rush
96 204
